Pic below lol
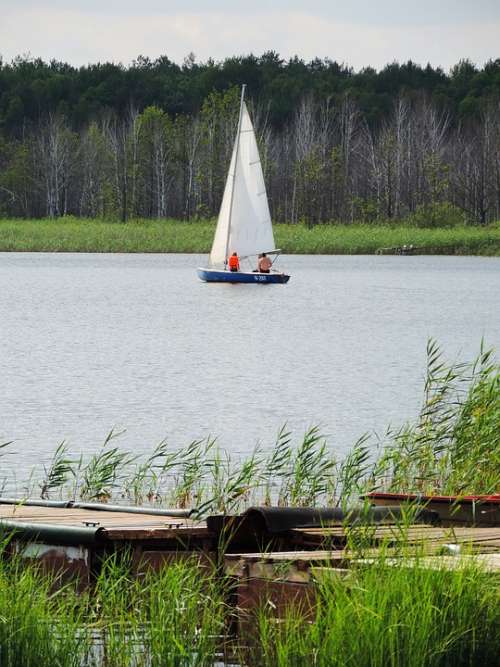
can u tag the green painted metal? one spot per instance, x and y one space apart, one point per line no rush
51 533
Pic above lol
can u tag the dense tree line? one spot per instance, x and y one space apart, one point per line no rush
154 139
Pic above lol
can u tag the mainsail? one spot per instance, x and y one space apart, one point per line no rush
244 223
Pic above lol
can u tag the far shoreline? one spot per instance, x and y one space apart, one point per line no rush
83 235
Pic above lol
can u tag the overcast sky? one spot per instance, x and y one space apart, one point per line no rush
356 32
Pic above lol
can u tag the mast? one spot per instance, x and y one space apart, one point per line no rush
234 173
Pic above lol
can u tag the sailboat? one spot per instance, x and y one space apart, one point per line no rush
244 225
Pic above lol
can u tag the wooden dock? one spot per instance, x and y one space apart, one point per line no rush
281 579
409 249
74 541
108 525
279 546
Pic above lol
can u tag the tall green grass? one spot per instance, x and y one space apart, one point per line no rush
173 618
377 615
454 445
381 616
88 235
362 239
39 627
170 618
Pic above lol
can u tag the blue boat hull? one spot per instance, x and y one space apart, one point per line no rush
214 276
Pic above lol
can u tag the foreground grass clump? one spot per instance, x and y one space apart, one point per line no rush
375 616
88 235
38 627
168 619
381 617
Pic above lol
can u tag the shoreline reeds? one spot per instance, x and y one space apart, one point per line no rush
72 234
452 448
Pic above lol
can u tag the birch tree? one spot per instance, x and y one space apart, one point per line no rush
121 136
55 150
95 168
154 137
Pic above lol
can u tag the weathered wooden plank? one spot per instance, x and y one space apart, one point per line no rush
75 516
114 525
486 562
380 533
287 556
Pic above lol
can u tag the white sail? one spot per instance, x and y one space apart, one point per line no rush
244 223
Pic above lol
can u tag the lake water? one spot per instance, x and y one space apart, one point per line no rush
137 342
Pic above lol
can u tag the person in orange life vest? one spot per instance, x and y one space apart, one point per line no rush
264 265
234 262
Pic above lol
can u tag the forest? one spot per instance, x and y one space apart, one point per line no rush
154 139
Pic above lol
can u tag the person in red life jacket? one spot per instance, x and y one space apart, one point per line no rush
234 262
264 265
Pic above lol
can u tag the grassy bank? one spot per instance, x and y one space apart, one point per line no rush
83 235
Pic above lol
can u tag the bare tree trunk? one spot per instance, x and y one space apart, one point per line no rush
54 145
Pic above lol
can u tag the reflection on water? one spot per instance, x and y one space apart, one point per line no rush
89 342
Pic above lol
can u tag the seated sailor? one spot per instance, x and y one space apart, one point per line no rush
264 264
234 262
